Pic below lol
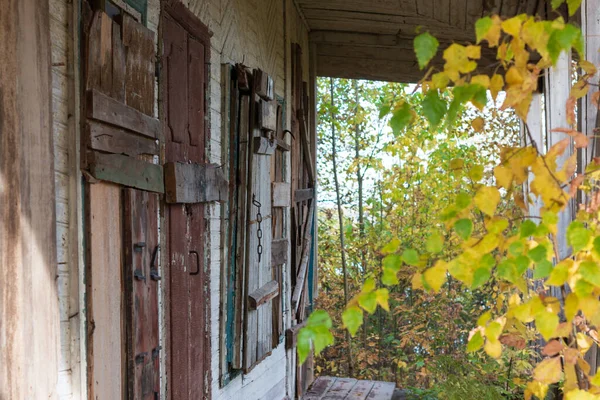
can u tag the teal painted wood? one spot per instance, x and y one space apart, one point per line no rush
140 6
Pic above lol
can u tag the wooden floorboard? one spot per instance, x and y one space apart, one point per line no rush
332 388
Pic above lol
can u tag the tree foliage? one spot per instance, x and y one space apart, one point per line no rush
471 241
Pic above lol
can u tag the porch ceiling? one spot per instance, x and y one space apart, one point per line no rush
372 39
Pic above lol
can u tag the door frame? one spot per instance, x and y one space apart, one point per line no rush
192 24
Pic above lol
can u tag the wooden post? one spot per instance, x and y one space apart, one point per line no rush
29 331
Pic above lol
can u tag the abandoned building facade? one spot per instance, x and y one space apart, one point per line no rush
157 182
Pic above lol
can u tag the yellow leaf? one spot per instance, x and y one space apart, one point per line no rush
382 296
504 176
457 61
493 348
546 323
440 80
579 394
417 281
537 389
571 306
587 67
493 330
493 33
584 342
474 52
484 318
548 371
512 26
514 76
482 80
436 275
522 312
570 108
478 124
487 199
496 85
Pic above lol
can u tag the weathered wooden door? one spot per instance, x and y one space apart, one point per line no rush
186 52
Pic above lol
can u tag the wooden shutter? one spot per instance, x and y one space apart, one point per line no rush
184 77
119 144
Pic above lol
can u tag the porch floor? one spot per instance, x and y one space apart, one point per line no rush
332 388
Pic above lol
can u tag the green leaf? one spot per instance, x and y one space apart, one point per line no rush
522 263
352 318
590 271
556 3
487 261
507 270
516 248
482 26
391 247
411 257
538 253
573 6
425 48
528 228
319 318
464 228
578 236
389 277
563 39
475 342
480 277
435 243
434 108
543 269
368 301
401 118
384 110
463 200
392 262
597 246
322 337
476 173
303 343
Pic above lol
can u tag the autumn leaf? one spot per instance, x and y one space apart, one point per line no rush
548 371
436 276
425 48
570 107
478 124
552 348
352 318
488 28
513 340
487 199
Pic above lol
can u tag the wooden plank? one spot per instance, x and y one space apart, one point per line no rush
281 194
305 144
263 85
115 140
557 92
106 334
264 146
382 391
301 195
30 333
267 115
279 251
340 389
263 295
99 62
361 390
319 388
118 64
302 273
127 171
194 183
141 281
103 108
139 82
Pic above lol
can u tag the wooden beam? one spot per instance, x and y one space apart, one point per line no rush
302 273
305 144
263 294
264 146
127 171
29 311
194 183
106 109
